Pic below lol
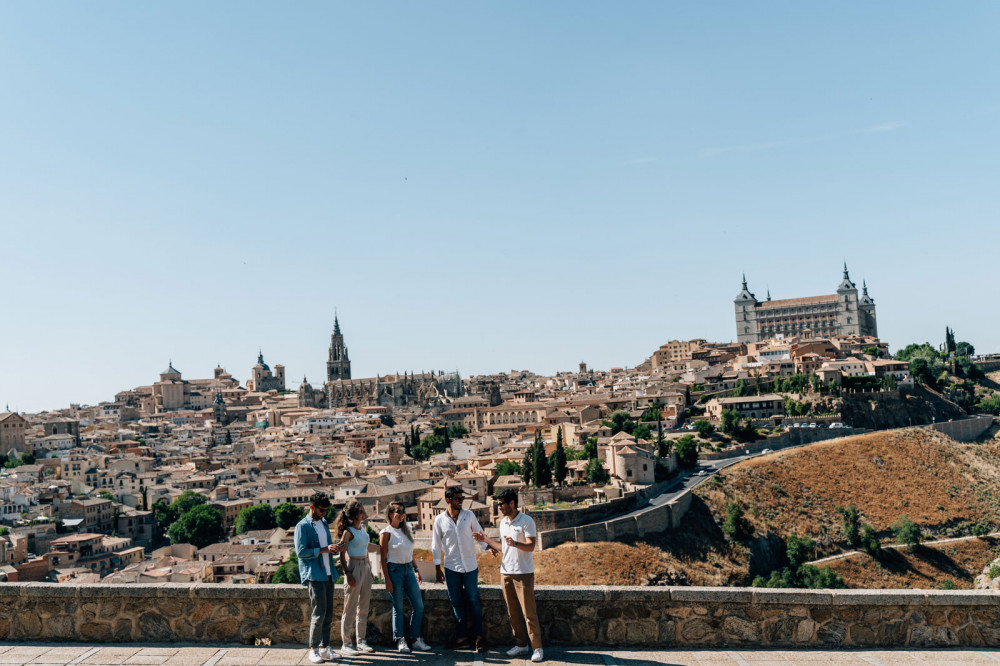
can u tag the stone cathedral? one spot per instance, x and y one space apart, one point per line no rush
424 389
843 313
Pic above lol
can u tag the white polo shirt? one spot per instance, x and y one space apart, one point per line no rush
516 561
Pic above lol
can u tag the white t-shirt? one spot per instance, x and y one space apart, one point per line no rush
516 561
323 543
400 548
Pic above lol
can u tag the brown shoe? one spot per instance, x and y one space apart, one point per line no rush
480 644
461 643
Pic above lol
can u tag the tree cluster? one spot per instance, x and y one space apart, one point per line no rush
798 573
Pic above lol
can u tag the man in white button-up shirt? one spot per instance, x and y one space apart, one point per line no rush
452 534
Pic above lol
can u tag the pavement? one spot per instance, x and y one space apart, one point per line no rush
238 655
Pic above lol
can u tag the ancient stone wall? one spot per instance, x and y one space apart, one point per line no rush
965 430
611 616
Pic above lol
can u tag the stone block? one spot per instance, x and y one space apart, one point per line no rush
738 630
641 632
804 631
812 598
963 598
712 595
879 597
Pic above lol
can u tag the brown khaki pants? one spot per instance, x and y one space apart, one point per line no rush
519 594
354 621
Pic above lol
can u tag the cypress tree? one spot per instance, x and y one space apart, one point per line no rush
559 469
527 467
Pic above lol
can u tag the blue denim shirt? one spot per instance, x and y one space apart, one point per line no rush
307 550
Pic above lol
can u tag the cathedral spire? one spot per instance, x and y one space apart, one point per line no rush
336 323
744 280
846 277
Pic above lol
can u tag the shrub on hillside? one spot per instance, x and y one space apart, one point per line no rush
907 532
736 526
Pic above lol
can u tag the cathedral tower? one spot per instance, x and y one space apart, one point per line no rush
338 366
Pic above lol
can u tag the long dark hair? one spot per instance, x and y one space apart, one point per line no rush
404 526
347 516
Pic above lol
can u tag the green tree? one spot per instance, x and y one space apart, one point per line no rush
590 448
799 551
229 437
256 517
870 543
596 472
740 389
907 532
558 462
730 421
964 349
200 527
457 431
104 494
508 468
287 515
852 525
949 340
642 431
527 467
703 427
619 421
736 526
406 445
542 472
687 451
164 515
27 459
186 501
288 572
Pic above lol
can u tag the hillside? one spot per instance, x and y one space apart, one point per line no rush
942 485
946 565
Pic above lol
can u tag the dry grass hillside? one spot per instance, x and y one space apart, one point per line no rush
952 564
942 485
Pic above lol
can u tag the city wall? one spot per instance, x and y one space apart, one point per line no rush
554 519
792 437
965 430
581 616
649 520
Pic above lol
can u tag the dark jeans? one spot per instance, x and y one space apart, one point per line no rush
320 611
404 582
463 588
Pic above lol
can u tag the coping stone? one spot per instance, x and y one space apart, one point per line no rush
963 598
793 597
879 597
734 595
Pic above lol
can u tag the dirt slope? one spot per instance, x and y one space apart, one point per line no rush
942 485
927 568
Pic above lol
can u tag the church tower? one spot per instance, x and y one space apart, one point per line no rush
338 366
847 306
746 314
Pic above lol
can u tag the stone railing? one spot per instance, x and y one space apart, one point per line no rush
611 616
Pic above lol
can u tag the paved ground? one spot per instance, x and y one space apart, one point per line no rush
48 653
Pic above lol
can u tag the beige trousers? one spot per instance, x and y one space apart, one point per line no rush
354 621
519 594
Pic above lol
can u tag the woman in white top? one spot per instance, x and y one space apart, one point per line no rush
401 576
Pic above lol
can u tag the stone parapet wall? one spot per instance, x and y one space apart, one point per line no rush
610 616
965 430
649 520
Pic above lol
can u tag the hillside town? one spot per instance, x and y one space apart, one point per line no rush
109 492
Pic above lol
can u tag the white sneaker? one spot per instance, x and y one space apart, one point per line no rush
328 654
363 647
419 644
315 657
403 647
537 655
518 651
348 650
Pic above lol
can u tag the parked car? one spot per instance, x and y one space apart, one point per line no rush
836 425
767 451
702 473
796 425
812 425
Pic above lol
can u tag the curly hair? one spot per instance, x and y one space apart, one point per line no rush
347 516
404 526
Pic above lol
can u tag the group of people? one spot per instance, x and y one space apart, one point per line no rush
454 539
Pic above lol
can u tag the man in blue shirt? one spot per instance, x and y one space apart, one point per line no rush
313 547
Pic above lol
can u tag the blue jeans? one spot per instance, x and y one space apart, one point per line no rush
463 588
404 581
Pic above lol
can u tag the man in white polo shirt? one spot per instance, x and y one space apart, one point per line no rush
517 574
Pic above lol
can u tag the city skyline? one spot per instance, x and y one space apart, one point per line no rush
480 188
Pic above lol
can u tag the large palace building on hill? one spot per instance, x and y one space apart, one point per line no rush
843 313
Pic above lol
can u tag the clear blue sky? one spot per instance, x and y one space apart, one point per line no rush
480 186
